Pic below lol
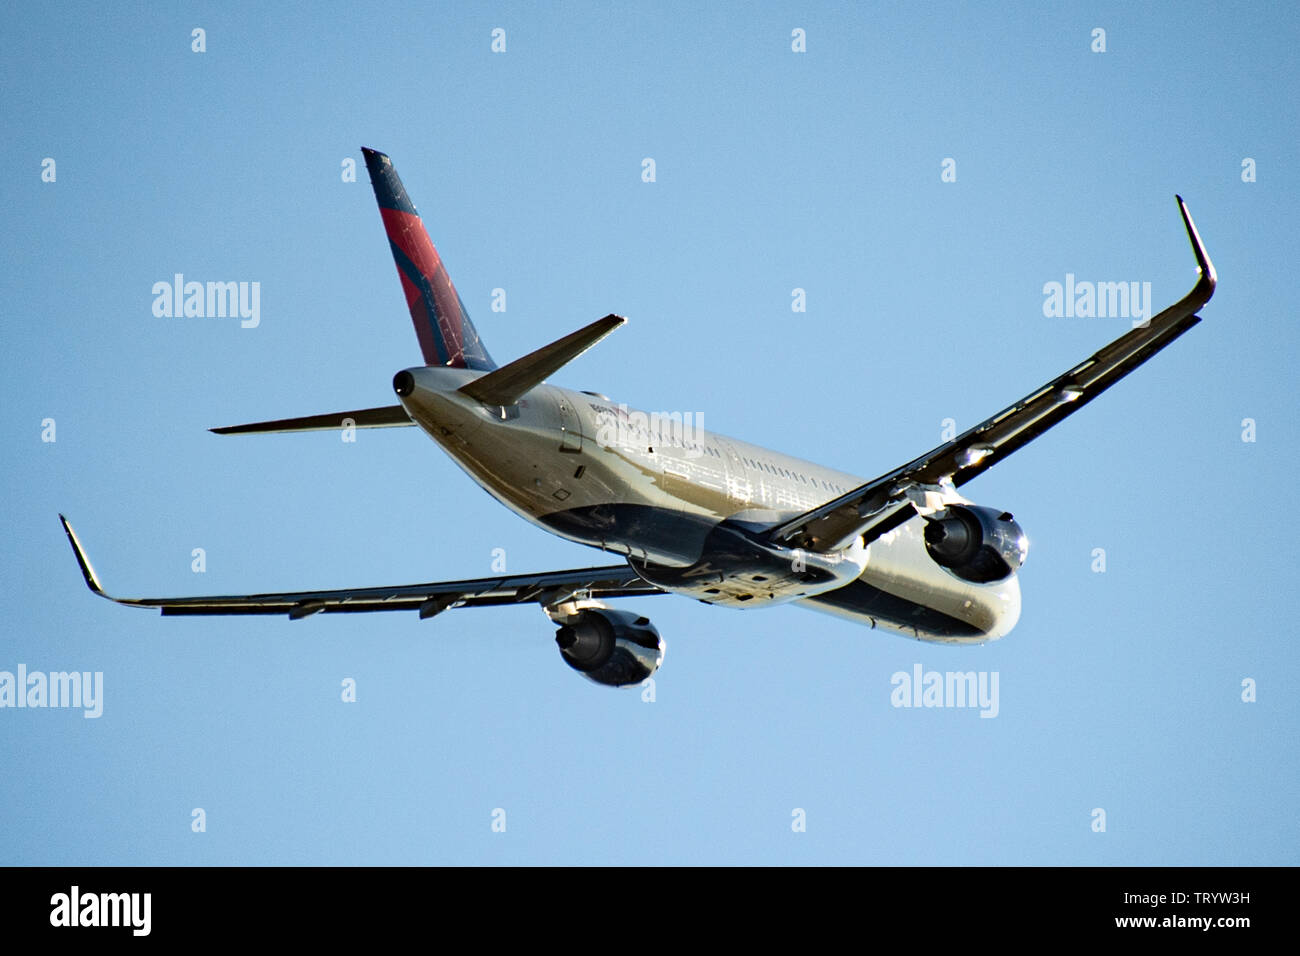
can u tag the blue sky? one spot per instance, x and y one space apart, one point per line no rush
775 170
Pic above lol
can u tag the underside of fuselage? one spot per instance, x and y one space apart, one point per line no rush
689 516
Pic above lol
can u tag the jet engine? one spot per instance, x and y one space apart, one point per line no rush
615 648
977 544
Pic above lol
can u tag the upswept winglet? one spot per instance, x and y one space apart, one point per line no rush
1208 280
87 572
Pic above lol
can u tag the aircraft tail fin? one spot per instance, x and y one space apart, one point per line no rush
442 324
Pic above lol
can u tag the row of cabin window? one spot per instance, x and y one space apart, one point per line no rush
675 442
773 469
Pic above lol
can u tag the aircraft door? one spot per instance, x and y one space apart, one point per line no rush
739 488
570 426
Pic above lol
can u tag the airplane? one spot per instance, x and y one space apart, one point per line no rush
689 511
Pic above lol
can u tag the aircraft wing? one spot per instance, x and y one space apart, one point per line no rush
547 589
883 504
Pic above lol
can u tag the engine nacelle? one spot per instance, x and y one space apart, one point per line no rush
615 648
975 543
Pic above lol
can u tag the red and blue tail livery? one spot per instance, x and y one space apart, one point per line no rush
442 324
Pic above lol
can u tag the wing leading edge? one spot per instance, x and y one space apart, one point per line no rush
547 589
883 504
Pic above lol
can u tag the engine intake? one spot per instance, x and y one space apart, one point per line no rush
614 648
975 543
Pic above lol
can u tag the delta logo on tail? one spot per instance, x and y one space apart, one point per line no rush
442 324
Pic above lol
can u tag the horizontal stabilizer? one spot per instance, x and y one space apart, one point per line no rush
505 385
390 416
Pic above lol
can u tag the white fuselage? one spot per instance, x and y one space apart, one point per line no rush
685 506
